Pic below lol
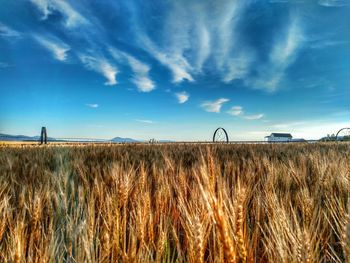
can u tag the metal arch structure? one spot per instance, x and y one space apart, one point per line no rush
342 129
43 136
220 135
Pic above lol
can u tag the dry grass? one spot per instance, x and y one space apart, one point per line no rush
175 203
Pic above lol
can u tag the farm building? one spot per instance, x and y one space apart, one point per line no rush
279 137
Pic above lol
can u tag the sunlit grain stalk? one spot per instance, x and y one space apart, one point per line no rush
160 245
211 168
303 250
198 239
18 243
239 226
2 228
346 238
222 227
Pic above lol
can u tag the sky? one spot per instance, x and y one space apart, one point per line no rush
174 70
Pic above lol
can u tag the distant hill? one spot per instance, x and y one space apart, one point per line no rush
120 139
8 137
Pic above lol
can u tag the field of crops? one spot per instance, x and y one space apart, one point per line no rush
175 203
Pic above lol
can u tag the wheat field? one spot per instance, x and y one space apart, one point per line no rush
175 203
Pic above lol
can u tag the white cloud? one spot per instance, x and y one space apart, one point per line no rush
288 1
102 66
71 16
190 35
235 111
56 47
334 3
278 1
238 111
176 63
284 49
6 31
254 117
137 66
237 68
328 43
214 106
141 70
182 97
283 54
225 30
143 83
4 65
145 121
203 45
175 41
43 6
94 106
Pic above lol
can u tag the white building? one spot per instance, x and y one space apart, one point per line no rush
279 137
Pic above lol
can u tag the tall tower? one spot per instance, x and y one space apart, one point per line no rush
43 137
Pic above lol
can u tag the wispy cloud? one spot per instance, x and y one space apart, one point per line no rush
56 47
188 36
6 31
145 121
231 57
238 111
102 66
182 97
281 57
287 1
141 70
237 67
254 117
4 65
71 16
43 6
177 64
204 45
175 41
334 3
328 43
278 1
285 48
186 46
235 111
214 106
94 106
143 83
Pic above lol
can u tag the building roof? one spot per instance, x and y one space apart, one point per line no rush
286 135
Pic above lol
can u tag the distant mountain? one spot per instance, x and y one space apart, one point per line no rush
8 137
120 139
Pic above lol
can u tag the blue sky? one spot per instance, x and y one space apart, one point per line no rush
174 69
